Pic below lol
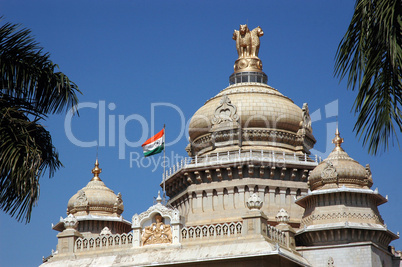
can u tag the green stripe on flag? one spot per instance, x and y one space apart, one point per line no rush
157 150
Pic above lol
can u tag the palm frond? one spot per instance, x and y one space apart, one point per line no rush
370 55
28 73
26 154
31 87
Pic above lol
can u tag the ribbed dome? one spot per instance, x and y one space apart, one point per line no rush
338 170
95 199
265 116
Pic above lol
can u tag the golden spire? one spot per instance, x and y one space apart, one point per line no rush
96 171
337 141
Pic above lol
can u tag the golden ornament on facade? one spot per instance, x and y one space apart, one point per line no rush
247 46
157 232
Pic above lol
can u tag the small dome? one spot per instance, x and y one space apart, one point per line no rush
338 170
95 199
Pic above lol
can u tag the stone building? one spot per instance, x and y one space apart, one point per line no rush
250 194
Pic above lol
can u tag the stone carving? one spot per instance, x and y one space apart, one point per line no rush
225 112
70 222
369 175
329 174
118 204
254 202
331 262
247 42
105 231
344 216
81 199
282 217
243 41
306 122
158 208
157 232
255 41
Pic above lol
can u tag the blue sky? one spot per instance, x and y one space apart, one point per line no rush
128 55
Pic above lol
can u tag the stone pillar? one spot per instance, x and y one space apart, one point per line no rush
254 221
283 224
136 231
67 238
176 226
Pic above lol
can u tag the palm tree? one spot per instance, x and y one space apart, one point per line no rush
370 54
30 90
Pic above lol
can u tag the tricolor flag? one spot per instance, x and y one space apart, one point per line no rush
155 144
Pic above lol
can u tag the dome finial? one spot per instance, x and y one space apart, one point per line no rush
337 141
96 171
159 199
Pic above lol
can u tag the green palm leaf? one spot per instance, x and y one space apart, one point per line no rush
30 88
370 54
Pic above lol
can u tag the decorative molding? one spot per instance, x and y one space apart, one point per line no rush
172 214
81 200
306 122
157 232
330 262
329 174
70 222
282 217
254 202
341 215
105 231
225 112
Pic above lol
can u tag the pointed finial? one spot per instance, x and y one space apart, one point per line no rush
159 199
337 141
96 171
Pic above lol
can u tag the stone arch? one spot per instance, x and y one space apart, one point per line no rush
169 216
287 196
256 189
298 193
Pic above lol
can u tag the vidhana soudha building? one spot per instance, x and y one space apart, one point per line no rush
250 193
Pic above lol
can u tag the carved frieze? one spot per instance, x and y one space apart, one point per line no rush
254 202
329 174
369 176
106 231
157 232
226 112
70 222
306 122
81 199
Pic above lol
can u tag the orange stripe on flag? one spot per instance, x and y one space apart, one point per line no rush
155 137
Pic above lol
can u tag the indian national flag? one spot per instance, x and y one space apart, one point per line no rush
155 144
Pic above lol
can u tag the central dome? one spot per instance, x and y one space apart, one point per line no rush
249 114
259 112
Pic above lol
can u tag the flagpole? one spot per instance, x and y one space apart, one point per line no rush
164 164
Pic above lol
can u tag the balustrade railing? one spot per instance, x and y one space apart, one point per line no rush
103 242
276 235
211 231
241 156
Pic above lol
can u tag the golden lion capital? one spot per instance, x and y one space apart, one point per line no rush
247 42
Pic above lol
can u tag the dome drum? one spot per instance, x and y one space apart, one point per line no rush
270 139
248 76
